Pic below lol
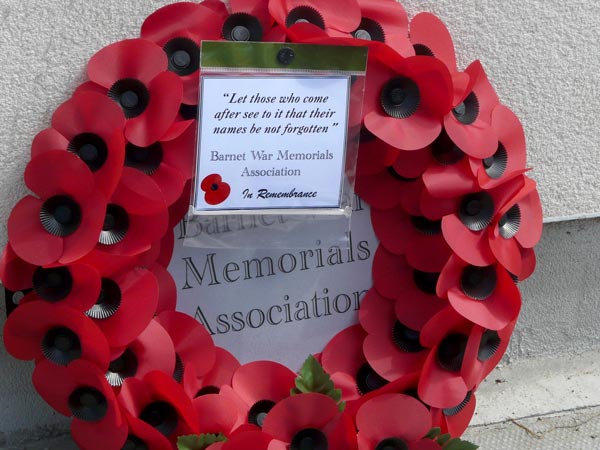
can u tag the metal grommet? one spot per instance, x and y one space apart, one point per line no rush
285 56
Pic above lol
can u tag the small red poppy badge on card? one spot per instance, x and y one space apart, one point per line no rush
215 189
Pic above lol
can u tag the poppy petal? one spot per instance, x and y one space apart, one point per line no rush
388 360
166 92
132 58
263 380
344 352
377 419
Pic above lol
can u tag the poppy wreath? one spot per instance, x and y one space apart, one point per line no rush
442 164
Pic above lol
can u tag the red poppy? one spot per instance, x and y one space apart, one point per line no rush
63 224
143 435
136 216
193 345
484 351
510 156
517 229
215 189
219 413
313 418
133 73
444 382
89 125
375 156
220 375
450 172
167 289
259 385
160 252
391 348
15 272
179 30
248 440
414 291
406 98
469 122
179 209
466 229
126 304
384 21
152 350
387 189
324 15
344 359
455 420
159 401
80 390
168 162
76 286
380 425
430 37
486 295
418 238
58 333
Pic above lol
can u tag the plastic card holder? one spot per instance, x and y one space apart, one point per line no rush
278 136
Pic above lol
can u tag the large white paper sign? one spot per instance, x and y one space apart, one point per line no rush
281 304
271 143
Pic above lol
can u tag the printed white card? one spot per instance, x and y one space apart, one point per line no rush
271 143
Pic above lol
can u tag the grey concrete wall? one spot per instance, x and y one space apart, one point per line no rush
542 57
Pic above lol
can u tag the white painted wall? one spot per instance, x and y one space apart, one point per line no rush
542 56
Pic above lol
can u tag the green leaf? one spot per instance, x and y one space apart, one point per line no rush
444 439
198 442
458 444
433 433
313 378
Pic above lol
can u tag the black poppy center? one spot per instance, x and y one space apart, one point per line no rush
53 284
495 166
478 282
392 444
450 412
468 111
207 390
489 345
88 404
134 443
242 27
116 225
304 14
60 215
183 55
90 148
162 416
510 223
400 97
369 30
61 346
144 159
258 412
476 210
422 50
179 368
406 339
131 95
125 366
426 281
367 380
214 187
188 112
445 151
309 439
426 226
108 302
451 352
